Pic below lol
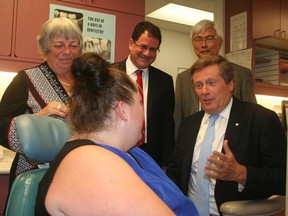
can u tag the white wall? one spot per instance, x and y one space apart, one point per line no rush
5 79
175 52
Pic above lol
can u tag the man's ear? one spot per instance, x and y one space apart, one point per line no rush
231 85
122 110
131 42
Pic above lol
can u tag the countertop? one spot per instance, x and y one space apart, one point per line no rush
6 159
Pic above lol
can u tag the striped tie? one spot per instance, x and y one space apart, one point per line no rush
140 87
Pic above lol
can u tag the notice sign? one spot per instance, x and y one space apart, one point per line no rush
238 32
98 29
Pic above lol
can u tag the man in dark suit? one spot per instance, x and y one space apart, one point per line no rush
207 40
158 91
248 159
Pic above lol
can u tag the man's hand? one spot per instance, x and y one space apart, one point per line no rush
225 167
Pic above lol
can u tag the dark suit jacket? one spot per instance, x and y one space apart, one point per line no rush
257 140
160 108
186 100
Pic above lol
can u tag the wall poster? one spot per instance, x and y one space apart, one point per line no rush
98 29
238 32
241 57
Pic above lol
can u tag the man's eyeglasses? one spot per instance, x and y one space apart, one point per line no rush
207 39
144 48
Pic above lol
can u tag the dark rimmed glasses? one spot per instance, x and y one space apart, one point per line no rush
144 48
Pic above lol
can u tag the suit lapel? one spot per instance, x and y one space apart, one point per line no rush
153 84
122 65
235 123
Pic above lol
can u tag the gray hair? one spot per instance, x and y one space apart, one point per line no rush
56 27
203 25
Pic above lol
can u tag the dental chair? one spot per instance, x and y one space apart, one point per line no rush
262 207
41 138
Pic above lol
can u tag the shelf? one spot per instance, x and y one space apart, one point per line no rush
269 89
261 60
272 42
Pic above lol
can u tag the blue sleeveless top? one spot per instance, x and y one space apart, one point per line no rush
145 167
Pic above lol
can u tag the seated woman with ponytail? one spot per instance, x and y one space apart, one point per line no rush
100 171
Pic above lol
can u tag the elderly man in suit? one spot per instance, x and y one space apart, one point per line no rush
248 153
158 92
207 40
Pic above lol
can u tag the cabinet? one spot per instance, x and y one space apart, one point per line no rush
8 24
269 31
6 21
266 23
4 188
21 21
126 6
270 18
284 19
266 18
31 14
82 2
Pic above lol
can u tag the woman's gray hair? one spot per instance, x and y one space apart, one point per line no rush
58 27
203 25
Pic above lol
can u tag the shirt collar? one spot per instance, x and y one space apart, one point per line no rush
224 114
131 68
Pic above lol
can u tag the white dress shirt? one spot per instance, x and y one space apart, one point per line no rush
130 70
220 129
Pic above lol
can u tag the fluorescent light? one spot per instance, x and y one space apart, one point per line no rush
181 14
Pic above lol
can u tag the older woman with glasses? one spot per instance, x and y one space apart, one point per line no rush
42 90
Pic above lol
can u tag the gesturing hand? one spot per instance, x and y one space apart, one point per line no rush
225 167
